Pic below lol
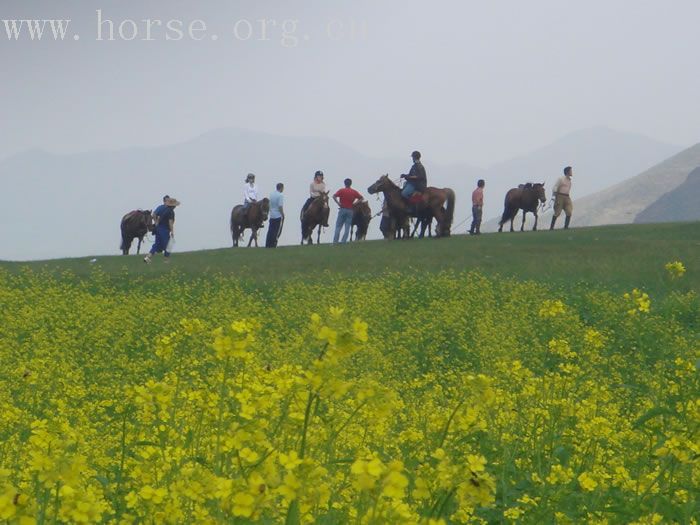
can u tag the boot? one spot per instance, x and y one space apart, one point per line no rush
551 226
567 221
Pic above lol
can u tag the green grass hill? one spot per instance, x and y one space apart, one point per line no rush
617 257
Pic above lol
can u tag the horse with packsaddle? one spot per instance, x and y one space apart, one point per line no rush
135 225
432 202
528 197
361 217
314 216
252 216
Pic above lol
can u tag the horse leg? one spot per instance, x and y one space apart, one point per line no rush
534 228
138 246
253 238
512 218
318 234
522 226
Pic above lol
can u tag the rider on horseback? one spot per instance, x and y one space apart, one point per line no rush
250 191
316 189
416 180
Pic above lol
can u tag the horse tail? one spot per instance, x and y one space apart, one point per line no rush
450 206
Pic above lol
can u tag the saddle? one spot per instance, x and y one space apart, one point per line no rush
415 199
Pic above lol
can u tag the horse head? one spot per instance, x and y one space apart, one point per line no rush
265 208
382 184
148 220
539 190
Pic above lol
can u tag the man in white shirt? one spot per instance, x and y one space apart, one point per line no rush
562 198
276 216
250 191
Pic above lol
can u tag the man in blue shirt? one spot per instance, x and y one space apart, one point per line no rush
276 216
165 229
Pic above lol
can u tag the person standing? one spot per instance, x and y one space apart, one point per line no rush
250 191
165 229
477 208
416 180
276 216
160 208
562 198
345 198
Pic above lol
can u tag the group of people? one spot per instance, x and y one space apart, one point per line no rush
346 198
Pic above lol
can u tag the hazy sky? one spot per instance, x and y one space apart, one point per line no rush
469 81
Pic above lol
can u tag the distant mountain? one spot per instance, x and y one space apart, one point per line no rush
680 204
71 205
622 203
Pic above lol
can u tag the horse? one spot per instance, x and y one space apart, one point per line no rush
431 200
253 217
316 215
361 215
425 222
525 197
135 224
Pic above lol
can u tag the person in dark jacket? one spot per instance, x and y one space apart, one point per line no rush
165 229
416 180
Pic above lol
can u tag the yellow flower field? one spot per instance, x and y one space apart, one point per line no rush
446 398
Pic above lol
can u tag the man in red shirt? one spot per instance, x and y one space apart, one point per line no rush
345 198
477 207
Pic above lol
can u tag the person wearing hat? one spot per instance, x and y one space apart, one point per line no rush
165 229
416 180
159 209
317 187
250 191
562 198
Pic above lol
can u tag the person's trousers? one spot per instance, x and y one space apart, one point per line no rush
477 212
272 233
563 202
344 219
162 240
408 190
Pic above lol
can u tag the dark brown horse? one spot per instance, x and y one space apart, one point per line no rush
361 215
425 222
525 197
253 217
316 215
433 201
135 225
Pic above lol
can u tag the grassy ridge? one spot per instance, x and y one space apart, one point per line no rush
617 257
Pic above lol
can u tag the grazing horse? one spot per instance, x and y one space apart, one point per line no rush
432 201
316 215
135 224
525 197
361 215
253 217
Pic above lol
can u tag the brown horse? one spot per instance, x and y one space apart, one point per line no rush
135 225
361 215
525 197
316 215
253 217
433 202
